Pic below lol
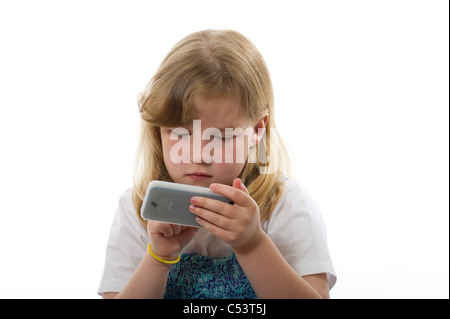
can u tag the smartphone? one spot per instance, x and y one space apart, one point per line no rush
169 202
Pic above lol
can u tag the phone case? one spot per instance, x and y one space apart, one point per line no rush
169 202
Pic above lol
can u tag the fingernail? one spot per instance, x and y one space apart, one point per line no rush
192 207
193 200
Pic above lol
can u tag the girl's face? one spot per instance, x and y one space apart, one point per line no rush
211 149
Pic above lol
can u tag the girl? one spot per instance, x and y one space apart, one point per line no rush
270 242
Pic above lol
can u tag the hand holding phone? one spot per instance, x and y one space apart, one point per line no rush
169 202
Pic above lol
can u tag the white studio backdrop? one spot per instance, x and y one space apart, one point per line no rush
362 100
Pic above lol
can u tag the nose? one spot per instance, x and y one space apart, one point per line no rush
197 151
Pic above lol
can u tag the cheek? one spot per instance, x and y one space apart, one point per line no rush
176 151
226 173
173 168
166 146
235 151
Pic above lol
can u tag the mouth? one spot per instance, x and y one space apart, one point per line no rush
198 176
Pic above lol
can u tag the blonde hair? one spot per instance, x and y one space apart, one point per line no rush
210 64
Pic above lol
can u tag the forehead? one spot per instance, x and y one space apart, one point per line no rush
220 113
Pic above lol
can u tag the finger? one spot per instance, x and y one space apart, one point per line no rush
237 183
213 205
211 217
176 229
187 234
165 229
159 229
238 196
216 230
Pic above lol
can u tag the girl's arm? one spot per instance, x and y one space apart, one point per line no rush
148 281
272 277
268 272
150 277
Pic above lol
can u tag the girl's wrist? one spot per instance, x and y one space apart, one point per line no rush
252 244
162 259
155 264
159 253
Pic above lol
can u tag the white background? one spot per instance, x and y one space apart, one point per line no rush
361 97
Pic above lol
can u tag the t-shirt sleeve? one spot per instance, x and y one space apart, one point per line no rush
126 245
297 229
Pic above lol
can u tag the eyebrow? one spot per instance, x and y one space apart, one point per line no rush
231 128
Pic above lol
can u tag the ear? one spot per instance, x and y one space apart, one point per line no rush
259 130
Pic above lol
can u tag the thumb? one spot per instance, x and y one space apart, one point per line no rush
237 183
186 235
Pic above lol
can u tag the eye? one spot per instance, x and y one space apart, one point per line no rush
223 138
180 131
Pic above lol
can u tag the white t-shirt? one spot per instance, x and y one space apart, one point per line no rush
295 226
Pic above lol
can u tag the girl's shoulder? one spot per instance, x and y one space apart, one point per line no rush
125 206
295 204
126 216
296 196
297 229
125 198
